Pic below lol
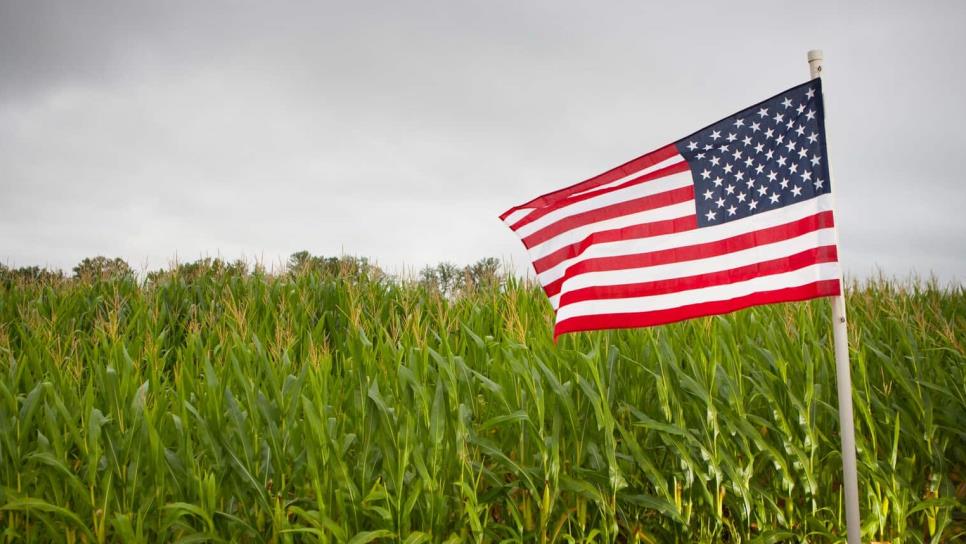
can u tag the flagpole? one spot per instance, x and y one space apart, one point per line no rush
844 379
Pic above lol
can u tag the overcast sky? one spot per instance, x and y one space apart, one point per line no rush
399 131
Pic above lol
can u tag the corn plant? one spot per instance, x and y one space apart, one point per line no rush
321 407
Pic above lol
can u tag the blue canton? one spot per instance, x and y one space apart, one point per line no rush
760 159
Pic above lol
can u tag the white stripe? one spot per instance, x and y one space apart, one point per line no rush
682 209
648 188
777 250
676 158
771 218
795 278
517 215
757 254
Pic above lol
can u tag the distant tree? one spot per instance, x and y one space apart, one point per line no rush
483 273
101 267
451 280
200 268
29 274
302 262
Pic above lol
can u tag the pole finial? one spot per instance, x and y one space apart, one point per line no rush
815 59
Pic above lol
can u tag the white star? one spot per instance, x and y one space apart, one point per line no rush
797 191
811 93
752 204
750 183
787 102
715 161
717 181
692 146
806 175
762 190
749 162
706 174
793 168
815 160
779 118
755 127
773 197
700 155
769 133
732 137
723 147
772 175
710 215
739 176
818 183
747 140
763 113
737 154
780 139
715 134
708 147
730 189
784 183
810 115
719 203
800 109
781 161
742 197
800 130
812 137
769 154
727 168
708 194
759 148
760 168
732 210
790 146
802 153
790 124
739 122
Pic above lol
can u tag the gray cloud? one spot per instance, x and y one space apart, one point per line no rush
399 131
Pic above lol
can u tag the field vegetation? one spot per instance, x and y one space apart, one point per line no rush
334 403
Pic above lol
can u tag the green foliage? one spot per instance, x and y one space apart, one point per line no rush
99 267
201 268
450 280
347 266
321 406
29 274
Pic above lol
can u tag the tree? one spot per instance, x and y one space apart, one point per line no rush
483 273
202 267
302 262
101 267
29 274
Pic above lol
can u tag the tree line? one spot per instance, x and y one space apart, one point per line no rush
445 278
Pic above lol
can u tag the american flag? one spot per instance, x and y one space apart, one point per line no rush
735 215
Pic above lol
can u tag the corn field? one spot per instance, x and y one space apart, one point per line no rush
318 407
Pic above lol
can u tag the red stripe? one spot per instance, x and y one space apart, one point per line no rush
823 288
770 235
644 230
676 168
823 254
644 203
740 242
626 169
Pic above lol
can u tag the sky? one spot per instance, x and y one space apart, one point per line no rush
399 131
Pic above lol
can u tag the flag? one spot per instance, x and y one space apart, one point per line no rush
735 215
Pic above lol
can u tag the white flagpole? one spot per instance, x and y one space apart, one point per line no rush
844 379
